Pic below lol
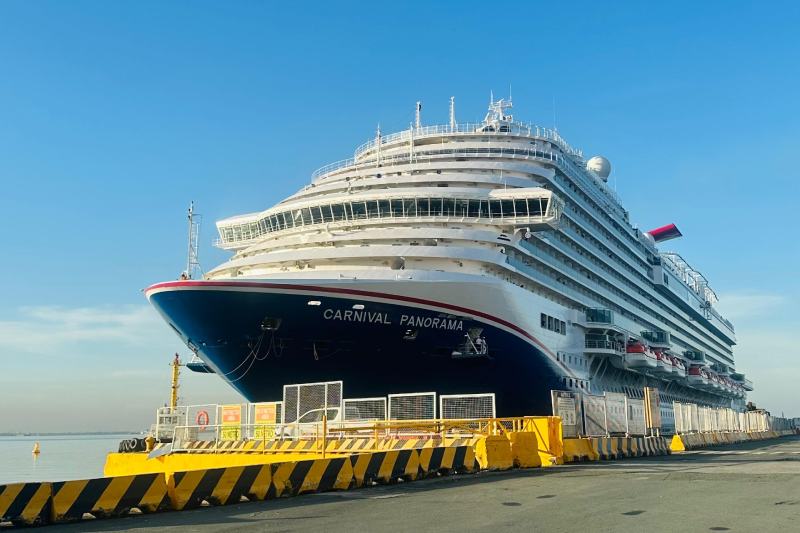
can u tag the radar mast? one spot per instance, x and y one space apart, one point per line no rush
192 260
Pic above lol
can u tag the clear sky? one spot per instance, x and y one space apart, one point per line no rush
113 116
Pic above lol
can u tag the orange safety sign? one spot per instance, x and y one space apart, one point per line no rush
231 415
265 413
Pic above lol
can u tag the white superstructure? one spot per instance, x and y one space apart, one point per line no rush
508 220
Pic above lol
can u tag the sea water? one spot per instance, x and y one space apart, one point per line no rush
62 457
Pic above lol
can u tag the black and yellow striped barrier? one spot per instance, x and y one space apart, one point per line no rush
218 486
25 503
317 475
109 496
385 467
450 460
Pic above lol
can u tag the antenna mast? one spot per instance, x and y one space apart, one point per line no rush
192 261
452 113
176 372
417 115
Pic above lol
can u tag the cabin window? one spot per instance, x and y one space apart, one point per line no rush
484 209
520 207
338 212
359 209
508 208
448 207
397 208
436 207
423 206
410 207
372 209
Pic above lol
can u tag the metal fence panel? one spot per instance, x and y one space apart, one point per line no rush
412 406
308 402
594 415
364 409
694 417
636 425
464 406
567 405
677 413
617 413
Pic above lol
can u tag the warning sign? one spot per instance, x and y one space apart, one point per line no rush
231 422
566 409
265 416
567 406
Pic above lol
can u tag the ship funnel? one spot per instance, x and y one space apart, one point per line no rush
665 233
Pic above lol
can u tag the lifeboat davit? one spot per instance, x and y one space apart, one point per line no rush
680 367
640 356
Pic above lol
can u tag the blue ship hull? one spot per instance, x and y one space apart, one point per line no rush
259 341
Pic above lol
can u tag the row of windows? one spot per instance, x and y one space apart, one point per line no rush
576 383
390 208
613 254
575 360
553 324
626 296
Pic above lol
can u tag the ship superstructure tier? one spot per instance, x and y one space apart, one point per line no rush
488 254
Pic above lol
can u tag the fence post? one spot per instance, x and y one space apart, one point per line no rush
324 433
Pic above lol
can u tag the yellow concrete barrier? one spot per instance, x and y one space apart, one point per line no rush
25 503
578 449
109 496
124 464
494 453
460 459
291 479
524 449
218 486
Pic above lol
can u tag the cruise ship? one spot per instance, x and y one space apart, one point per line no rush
457 258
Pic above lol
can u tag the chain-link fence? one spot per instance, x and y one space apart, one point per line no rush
412 406
364 409
464 406
310 402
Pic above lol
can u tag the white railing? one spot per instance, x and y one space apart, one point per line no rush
477 128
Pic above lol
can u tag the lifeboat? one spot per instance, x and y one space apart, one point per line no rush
640 356
663 364
697 376
673 368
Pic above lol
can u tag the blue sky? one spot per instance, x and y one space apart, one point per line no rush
113 116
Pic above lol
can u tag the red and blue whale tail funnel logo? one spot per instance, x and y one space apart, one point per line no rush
665 233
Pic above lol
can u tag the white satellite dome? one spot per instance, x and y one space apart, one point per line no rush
600 166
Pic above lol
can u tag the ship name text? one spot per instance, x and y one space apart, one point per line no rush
374 317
